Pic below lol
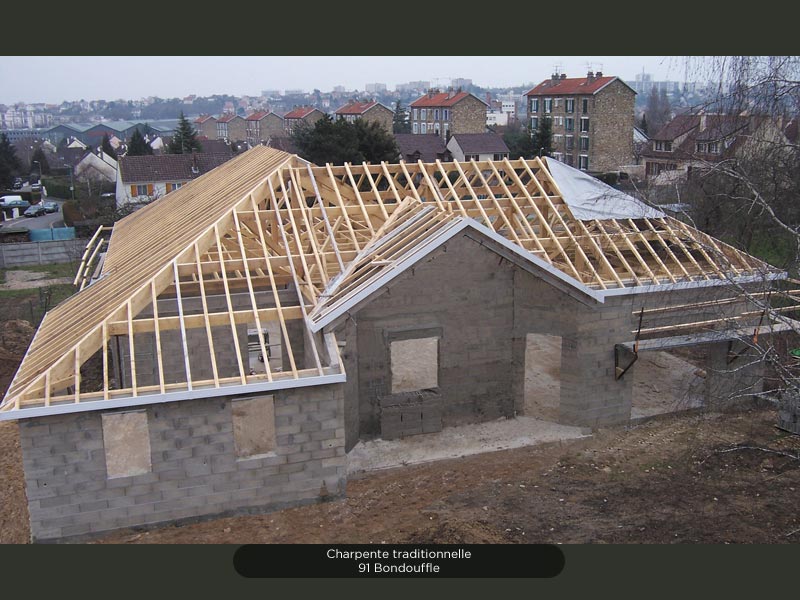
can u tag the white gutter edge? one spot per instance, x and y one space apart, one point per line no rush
196 394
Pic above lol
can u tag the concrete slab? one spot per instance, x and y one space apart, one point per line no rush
453 442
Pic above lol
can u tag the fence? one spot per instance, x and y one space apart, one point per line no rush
41 253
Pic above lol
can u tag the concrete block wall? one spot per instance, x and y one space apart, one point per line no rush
41 253
463 291
195 472
590 395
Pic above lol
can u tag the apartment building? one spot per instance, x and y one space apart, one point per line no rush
591 118
448 113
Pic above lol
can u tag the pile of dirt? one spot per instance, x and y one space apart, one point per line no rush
15 337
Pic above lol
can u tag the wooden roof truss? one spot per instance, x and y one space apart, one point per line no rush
271 239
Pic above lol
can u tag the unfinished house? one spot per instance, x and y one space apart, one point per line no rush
232 341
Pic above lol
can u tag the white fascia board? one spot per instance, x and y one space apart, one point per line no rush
145 400
687 285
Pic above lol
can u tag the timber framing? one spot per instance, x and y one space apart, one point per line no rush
296 241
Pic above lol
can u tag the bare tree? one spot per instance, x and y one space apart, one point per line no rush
752 199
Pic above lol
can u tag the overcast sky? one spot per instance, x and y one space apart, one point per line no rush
58 78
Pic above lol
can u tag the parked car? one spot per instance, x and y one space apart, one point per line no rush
37 210
13 202
36 187
51 207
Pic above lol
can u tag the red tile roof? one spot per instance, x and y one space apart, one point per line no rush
257 116
356 108
203 118
440 99
226 118
573 86
299 113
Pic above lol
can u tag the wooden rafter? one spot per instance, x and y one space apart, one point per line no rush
268 238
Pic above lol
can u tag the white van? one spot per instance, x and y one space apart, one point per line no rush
13 202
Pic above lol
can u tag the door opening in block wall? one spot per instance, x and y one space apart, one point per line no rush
542 376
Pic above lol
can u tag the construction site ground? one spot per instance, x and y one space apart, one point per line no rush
690 477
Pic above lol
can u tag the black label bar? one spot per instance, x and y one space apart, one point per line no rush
398 560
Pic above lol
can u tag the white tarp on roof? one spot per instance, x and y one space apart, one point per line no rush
589 198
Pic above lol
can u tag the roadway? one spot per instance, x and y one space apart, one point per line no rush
47 221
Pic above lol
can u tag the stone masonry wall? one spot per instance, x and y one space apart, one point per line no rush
380 115
468 116
195 472
611 127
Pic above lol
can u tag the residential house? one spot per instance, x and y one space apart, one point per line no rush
477 146
97 169
427 148
448 113
303 114
206 127
144 178
231 127
591 117
262 125
689 141
370 112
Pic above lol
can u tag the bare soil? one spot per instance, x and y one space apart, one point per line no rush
23 280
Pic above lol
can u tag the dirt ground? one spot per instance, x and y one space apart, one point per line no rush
670 480
23 280
675 479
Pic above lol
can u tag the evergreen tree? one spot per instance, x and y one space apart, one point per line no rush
519 141
375 143
400 123
108 148
43 166
9 163
184 140
338 142
137 146
543 138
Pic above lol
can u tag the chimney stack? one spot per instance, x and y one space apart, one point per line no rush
563 76
589 77
554 78
599 74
